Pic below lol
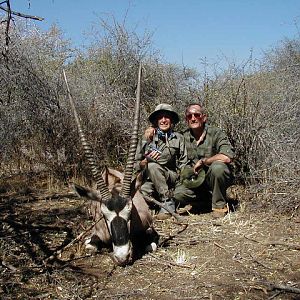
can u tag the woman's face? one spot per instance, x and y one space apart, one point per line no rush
164 121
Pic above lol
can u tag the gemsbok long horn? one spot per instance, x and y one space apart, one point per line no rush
133 140
101 186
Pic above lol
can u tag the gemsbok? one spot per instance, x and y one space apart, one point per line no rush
121 214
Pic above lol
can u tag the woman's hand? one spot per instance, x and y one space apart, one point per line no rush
153 155
149 133
143 163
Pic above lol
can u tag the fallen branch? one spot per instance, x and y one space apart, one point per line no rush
218 245
259 262
54 196
78 238
176 216
281 287
8 266
170 237
274 243
285 288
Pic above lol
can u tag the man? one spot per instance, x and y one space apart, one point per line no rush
161 156
208 149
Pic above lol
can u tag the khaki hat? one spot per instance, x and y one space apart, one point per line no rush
191 180
164 107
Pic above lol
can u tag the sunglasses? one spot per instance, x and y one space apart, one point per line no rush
196 115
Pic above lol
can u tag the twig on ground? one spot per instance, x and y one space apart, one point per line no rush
275 295
228 252
218 245
8 266
176 216
259 262
77 238
191 241
274 243
162 243
281 287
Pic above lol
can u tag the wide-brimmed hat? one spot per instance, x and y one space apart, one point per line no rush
164 107
191 180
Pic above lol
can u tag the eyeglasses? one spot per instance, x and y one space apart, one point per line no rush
196 115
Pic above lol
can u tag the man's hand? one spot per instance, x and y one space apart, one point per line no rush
199 165
149 133
207 161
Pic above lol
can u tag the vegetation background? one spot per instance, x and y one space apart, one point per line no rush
256 103
250 254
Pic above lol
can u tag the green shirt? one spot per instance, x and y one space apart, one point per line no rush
214 142
173 153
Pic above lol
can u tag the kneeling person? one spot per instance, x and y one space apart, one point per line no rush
210 153
161 157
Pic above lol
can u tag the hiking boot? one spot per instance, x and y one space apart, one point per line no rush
185 209
218 213
163 214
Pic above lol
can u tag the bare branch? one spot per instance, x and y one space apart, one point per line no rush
15 13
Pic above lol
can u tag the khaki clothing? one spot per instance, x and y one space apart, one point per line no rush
215 141
160 176
218 175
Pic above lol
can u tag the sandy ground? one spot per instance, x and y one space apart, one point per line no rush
249 254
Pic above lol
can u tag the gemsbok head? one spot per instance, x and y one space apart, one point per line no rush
123 214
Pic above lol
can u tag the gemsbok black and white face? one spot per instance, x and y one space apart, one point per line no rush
117 213
116 207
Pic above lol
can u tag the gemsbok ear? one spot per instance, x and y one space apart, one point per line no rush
86 193
113 179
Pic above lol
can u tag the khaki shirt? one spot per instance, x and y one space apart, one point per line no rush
173 153
214 142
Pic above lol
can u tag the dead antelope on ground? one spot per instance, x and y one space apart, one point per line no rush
122 216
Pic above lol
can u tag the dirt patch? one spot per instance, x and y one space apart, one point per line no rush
246 255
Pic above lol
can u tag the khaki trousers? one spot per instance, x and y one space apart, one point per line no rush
218 179
158 180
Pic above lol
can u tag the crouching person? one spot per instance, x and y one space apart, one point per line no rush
210 154
160 158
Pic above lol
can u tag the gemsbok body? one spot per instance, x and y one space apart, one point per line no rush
121 214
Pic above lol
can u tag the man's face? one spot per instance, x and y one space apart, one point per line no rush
164 121
195 118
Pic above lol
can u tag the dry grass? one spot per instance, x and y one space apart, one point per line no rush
247 255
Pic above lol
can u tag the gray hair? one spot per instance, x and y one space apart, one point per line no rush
202 108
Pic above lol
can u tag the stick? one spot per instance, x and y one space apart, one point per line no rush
173 235
274 243
78 237
176 216
281 287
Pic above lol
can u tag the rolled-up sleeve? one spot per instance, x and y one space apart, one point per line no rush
224 145
183 158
